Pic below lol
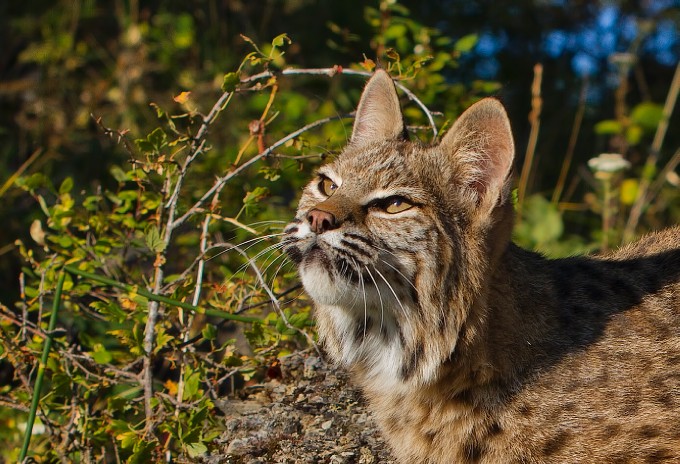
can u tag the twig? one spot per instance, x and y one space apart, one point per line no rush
9 403
197 295
569 155
535 120
25 165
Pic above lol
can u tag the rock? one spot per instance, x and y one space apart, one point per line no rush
310 415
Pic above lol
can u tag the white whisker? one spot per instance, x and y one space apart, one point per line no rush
382 308
392 290
401 274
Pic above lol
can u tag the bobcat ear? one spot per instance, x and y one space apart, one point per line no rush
378 115
482 150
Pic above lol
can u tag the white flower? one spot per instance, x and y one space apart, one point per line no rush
608 162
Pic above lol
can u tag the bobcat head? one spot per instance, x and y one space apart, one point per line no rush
394 239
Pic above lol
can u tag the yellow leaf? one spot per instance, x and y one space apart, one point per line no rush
128 304
628 192
182 98
368 64
171 387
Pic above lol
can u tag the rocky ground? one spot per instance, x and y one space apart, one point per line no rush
308 415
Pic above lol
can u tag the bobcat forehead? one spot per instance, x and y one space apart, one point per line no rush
468 348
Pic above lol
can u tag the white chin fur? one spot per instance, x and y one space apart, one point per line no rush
320 286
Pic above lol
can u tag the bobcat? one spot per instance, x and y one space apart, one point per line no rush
467 347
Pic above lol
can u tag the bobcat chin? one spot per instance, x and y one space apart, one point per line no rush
467 347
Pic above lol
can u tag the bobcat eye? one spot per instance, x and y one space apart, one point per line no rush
327 186
395 205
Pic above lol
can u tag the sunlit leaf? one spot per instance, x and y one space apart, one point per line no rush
195 450
647 114
628 191
608 127
230 81
466 43
182 98
280 40
66 186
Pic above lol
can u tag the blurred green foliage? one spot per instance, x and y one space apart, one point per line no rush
152 144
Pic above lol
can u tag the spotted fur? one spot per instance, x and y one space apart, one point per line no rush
470 349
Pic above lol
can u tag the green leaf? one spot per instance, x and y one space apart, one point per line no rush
143 452
118 174
162 339
32 182
280 40
195 450
634 134
466 43
184 31
541 222
608 127
648 115
191 384
127 439
255 196
231 81
209 332
271 174
153 240
66 186
154 142
158 138
100 355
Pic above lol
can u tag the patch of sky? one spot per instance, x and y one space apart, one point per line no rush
629 28
654 7
584 64
607 17
487 68
555 43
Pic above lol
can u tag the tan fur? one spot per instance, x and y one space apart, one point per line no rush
468 348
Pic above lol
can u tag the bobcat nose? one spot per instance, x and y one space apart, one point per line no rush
322 221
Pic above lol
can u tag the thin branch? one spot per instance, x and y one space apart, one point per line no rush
220 181
330 72
568 157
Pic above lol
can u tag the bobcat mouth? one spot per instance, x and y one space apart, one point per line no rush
343 257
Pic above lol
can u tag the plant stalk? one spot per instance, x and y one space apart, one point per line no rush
41 367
